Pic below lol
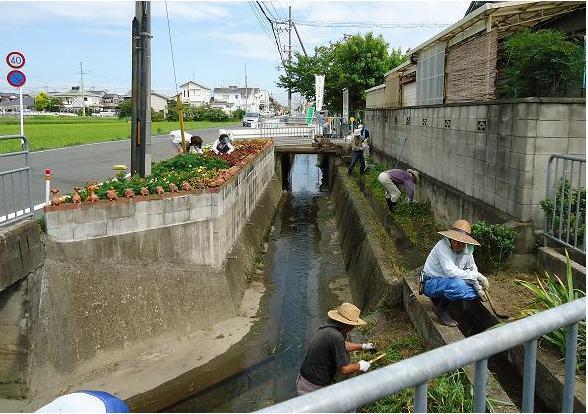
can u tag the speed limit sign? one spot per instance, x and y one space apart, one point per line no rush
15 60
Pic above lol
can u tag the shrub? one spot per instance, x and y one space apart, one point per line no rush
541 63
498 242
577 212
550 293
238 114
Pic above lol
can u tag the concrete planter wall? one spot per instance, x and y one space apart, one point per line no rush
496 152
206 222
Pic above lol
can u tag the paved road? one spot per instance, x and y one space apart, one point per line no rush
76 165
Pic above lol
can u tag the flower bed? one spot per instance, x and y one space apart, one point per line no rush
182 172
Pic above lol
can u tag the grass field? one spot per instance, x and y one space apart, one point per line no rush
46 132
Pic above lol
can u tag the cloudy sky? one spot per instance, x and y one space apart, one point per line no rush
212 40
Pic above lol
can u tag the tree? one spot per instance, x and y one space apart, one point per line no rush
356 62
42 102
541 63
238 114
125 108
55 104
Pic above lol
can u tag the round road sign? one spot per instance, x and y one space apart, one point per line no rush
15 60
16 78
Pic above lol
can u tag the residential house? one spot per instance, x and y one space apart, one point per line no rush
72 99
195 93
111 100
10 103
158 101
248 99
461 63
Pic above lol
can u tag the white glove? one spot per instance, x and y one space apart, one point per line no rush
480 291
364 365
483 280
369 346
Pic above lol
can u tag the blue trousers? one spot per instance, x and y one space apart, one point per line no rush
357 156
450 288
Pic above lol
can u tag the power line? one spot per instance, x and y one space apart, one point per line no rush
389 25
171 47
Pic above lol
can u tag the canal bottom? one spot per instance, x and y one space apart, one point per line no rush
305 276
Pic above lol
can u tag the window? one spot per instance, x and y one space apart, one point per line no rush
236 96
430 75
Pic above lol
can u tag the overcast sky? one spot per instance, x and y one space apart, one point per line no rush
212 40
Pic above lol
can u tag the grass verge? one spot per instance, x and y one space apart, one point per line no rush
393 333
62 132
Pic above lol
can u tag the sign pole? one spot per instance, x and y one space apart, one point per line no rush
21 112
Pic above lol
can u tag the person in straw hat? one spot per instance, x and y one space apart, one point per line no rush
450 272
392 178
327 352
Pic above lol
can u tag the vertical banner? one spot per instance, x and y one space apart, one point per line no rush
345 105
319 88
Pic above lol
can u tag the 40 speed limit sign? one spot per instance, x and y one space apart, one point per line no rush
15 60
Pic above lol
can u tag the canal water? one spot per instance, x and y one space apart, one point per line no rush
305 276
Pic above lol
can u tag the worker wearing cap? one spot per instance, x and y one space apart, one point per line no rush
450 272
391 179
357 152
327 352
223 145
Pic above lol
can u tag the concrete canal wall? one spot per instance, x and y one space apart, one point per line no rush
494 154
117 277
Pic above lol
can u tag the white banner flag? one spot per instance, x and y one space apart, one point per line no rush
345 105
319 81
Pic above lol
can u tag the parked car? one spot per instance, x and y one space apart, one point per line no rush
251 119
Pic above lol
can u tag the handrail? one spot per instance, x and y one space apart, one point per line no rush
17 183
348 395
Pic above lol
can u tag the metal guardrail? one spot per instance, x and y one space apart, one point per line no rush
297 130
356 392
566 195
15 183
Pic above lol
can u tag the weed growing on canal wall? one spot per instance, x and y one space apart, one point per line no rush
550 293
394 334
416 219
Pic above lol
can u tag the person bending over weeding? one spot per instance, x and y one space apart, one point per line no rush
450 272
392 178
176 140
195 145
327 352
222 145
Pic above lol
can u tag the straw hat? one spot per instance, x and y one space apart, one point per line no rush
415 175
461 231
347 313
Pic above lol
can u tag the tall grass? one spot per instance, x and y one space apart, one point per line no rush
550 293
448 393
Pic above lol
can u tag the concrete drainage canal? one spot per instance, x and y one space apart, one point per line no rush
304 272
326 247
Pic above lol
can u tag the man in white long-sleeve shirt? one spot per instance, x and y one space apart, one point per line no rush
450 272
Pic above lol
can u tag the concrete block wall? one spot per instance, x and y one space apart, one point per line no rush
495 152
206 223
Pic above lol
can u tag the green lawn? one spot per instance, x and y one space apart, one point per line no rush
57 132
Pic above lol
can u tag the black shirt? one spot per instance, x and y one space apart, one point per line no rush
325 355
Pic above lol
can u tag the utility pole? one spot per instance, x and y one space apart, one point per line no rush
141 90
82 85
246 93
290 55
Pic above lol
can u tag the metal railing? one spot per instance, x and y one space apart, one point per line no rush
356 392
15 183
289 131
566 197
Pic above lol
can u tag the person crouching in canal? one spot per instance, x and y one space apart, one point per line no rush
327 352
392 178
450 272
